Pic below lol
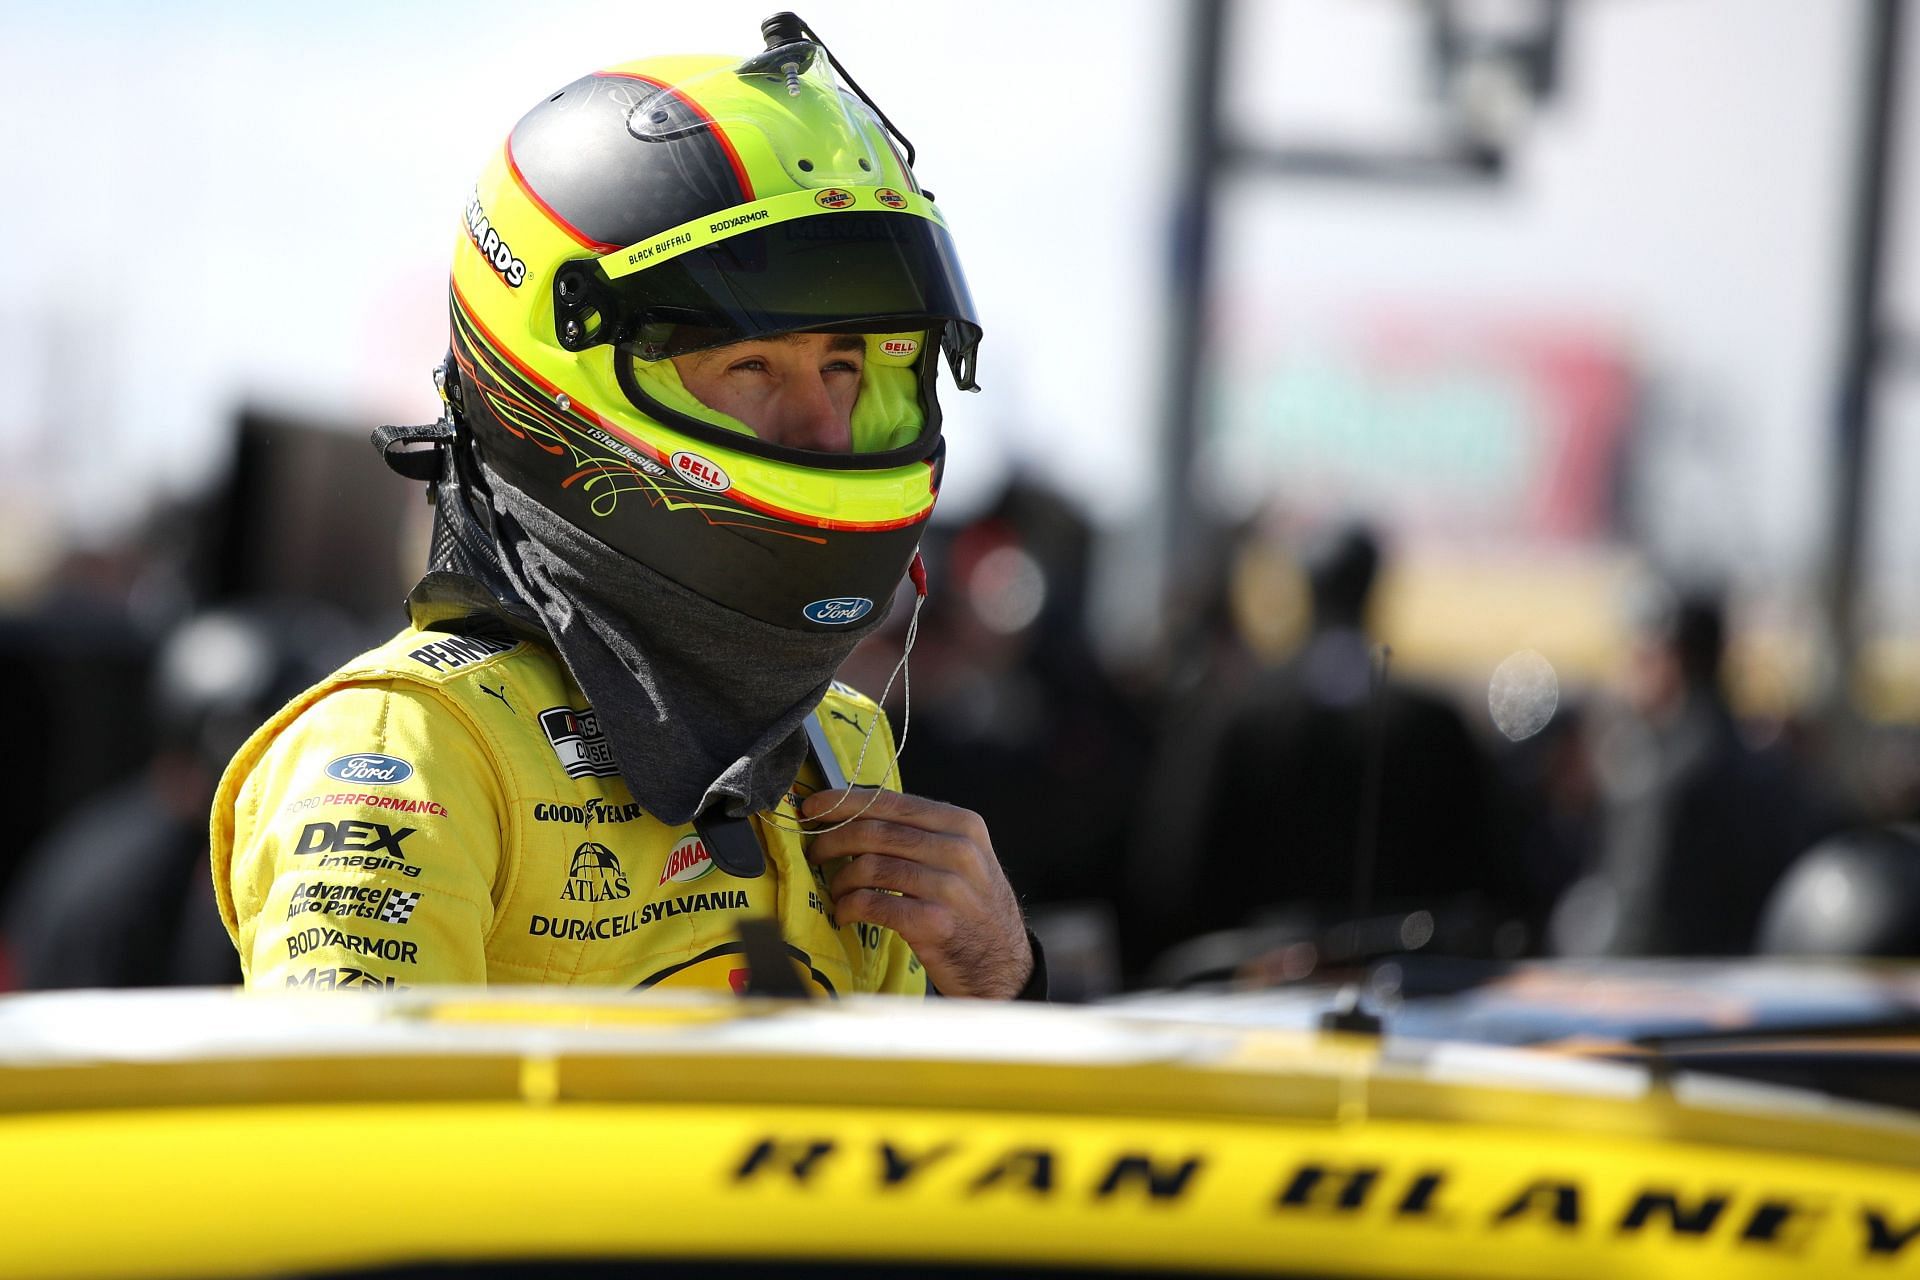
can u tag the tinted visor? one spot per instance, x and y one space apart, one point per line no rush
844 271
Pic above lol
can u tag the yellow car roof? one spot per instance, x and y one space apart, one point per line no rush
212 1133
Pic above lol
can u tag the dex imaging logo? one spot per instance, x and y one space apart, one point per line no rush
368 846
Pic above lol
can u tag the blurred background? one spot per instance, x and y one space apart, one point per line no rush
1441 480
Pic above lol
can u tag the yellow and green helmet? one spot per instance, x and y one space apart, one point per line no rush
672 204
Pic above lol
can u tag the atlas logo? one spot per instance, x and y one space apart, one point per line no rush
492 247
890 198
899 346
370 770
700 473
350 836
688 860
833 198
839 611
595 875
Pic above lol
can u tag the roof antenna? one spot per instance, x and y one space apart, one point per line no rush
1346 1014
1366 844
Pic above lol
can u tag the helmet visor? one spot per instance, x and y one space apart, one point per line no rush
841 270
875 272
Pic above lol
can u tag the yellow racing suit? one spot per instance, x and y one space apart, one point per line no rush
445 809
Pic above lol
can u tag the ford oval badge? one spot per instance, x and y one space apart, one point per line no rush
839 611
370 770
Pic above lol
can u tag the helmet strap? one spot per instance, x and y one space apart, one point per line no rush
903 672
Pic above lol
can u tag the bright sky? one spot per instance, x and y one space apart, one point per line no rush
230 202
214 203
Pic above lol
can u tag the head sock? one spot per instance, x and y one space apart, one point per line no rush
700 705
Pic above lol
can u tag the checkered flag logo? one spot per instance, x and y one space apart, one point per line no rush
398 908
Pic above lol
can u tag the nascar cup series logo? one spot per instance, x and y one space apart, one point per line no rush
700 472
839 611
370 770
687 860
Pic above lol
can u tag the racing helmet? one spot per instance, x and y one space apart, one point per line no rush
669 205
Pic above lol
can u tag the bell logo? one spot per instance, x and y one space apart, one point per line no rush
688 860
700 473
899 346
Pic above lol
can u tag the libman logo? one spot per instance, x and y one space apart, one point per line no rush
700 472
687 860
491 246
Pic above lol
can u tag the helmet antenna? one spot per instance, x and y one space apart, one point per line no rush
784 29
1346 1013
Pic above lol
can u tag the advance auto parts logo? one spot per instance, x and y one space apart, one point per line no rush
368 902
595 876
688 860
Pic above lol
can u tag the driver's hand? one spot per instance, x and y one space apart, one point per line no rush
949 898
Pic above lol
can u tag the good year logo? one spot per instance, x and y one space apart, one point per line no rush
370 770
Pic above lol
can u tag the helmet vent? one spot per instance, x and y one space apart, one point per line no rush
806 166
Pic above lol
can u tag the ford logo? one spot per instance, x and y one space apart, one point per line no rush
840 611
370 770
